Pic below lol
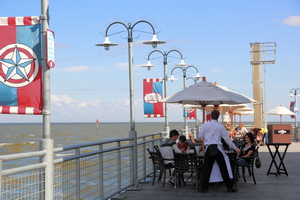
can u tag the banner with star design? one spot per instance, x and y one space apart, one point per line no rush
20 66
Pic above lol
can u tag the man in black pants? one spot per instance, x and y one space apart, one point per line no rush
212 132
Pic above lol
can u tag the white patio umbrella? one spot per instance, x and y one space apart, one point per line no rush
280 110
206 93
243 111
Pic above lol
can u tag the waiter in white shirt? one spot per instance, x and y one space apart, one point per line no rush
212 132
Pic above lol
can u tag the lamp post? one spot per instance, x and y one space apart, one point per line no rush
295 92
195 79
165 61
106 44
184 70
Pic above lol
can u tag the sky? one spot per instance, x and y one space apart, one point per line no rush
89 83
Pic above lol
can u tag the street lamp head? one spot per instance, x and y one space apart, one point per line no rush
106 44
172 78
148 65
154 42
291 94
197 76
182 63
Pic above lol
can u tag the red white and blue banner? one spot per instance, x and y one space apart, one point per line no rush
20 65
292 108
153 94
190 113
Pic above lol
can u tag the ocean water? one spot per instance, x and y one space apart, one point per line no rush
18 138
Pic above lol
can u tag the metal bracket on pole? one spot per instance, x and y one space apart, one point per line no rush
46 112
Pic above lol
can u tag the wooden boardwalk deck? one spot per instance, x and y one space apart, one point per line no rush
267 187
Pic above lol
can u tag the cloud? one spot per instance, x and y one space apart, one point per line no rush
60 100
77 69
291 21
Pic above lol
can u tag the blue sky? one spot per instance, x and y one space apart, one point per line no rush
89 83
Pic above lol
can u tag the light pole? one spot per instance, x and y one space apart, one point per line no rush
165 60
106 44
184 70
295 92
195 79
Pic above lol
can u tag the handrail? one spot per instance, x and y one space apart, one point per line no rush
23 169
23 155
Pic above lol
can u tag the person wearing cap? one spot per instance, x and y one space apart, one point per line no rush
212 132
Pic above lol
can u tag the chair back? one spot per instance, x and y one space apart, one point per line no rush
157 159
238 142
185 161
194 145
232 159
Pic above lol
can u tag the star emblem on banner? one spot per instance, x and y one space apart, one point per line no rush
19 65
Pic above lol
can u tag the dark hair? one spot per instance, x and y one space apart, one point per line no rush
251 137
215 114
182 138
255 131
173 133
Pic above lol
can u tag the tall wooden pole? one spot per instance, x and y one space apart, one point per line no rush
256 80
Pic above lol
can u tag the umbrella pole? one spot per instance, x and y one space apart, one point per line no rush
203 115
280 119
203 120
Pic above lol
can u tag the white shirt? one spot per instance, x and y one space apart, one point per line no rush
242 131
212 132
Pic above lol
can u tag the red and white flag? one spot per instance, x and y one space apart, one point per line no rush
153 94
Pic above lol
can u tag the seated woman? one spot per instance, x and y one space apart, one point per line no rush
183 145
246 149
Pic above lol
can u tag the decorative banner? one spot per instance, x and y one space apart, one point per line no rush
190 113
20 65
153 94
292 108
208 117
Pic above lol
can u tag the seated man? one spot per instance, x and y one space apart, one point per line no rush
167 147
191 139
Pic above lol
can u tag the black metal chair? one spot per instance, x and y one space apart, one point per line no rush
251 164
233 164
186 162
158 165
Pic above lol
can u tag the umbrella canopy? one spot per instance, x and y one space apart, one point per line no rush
222 108
243 111
206 93
280 110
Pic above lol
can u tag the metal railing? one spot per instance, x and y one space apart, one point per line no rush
96 170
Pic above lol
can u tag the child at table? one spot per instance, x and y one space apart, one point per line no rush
183 145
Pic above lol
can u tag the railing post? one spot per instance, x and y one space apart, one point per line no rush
101 185
119 173
144 160
48 144
0 179
77 175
